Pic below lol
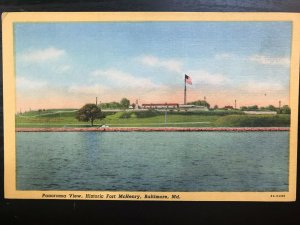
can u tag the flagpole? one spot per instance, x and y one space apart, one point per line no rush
184 90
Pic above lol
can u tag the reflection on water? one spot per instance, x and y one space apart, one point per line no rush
153 161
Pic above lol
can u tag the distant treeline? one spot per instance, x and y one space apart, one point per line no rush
282 110
125 104
200 103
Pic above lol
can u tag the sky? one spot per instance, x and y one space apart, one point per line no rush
65 65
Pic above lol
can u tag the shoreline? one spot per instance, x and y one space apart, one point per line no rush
152 129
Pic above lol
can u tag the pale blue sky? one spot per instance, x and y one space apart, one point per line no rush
71 63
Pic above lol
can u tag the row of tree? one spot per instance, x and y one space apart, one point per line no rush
123 104
284 109
200 103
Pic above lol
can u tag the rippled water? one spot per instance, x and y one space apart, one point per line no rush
153 161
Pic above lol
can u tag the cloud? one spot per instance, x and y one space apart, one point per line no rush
172 65
204 77
267 60
112 85
42 55
88 89
25 83
263 87
62 68
260 59
224 56
117 78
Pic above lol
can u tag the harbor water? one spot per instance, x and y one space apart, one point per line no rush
152 161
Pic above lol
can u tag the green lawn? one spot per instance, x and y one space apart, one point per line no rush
66 118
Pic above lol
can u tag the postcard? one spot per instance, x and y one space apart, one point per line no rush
150 106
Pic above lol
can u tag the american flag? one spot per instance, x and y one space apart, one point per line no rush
188 79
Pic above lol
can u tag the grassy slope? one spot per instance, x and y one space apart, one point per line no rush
282 120
60 118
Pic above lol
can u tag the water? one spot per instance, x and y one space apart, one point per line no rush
153 161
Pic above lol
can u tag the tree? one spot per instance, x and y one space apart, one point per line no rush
228 107
253 108
249 108
89 112
271 108
125 103
110 105
200 103
285 109
216 107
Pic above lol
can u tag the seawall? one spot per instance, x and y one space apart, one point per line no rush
152 129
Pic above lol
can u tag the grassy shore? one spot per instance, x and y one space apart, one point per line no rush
66 118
